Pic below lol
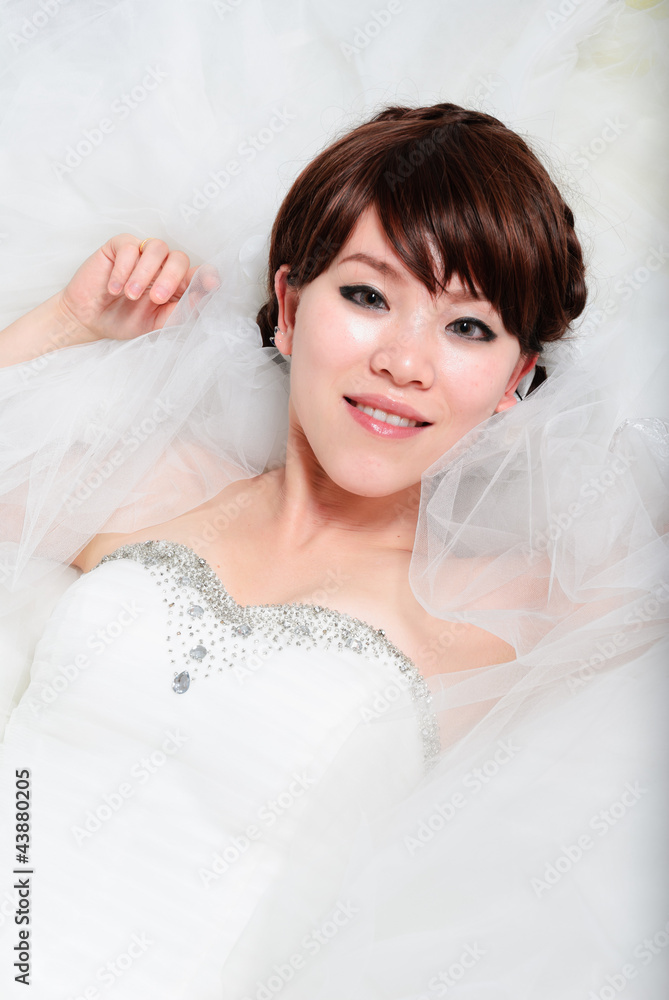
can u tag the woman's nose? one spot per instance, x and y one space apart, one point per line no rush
405 357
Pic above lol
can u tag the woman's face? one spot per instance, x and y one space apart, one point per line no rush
367 333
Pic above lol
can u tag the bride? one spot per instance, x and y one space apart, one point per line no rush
257 732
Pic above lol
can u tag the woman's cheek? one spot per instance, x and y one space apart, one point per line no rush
476 389
321 336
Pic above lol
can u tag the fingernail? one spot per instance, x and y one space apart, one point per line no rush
159 292
115 287
134 290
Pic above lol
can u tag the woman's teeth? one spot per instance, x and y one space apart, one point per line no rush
388 418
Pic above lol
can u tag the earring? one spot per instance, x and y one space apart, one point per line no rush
273 337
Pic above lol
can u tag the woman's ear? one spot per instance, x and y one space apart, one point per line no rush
287 298
525 364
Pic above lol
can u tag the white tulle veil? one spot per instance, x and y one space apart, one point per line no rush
544 526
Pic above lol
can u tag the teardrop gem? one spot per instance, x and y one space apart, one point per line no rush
181 682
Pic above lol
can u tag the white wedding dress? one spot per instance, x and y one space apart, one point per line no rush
236 802
270 801
230 793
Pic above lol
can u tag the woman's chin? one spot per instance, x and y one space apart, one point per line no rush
364 482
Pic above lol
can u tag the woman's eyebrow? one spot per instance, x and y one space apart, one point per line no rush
387 270
457 295
464 295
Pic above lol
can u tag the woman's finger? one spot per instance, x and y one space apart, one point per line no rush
171 277
124 253
146 268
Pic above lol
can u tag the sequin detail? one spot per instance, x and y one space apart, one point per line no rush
186 578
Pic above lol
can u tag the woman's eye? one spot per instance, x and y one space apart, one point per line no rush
364 296
471 329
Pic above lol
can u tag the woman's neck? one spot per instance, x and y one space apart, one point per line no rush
307 505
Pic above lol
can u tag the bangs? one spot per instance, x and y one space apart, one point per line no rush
457 213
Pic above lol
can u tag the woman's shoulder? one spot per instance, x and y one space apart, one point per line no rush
198 527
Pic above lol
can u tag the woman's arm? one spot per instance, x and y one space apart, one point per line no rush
43 329
117 294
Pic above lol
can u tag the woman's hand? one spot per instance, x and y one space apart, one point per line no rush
119 294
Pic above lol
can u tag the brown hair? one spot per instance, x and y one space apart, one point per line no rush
443 177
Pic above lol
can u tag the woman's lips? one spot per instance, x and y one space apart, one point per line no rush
377 402
380 427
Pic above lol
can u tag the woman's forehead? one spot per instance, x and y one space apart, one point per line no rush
368 236
369 245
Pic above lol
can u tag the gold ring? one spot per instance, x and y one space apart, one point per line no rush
144 242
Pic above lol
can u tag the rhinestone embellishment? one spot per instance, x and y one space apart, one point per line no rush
226 626
181 682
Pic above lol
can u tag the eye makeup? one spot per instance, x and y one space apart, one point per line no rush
475 324
351 291
355 293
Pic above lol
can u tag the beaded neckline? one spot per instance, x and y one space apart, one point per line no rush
296 621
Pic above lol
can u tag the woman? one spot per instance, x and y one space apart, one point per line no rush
229 722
